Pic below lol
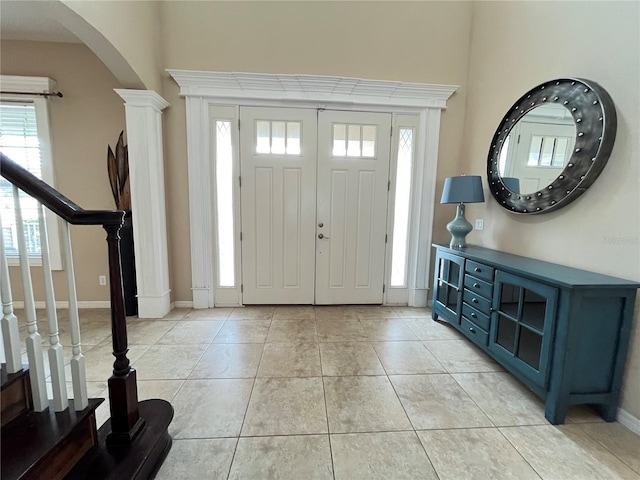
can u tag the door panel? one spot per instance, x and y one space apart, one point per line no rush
353 171
278 168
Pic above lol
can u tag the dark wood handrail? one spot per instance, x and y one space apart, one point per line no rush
126 423
54 200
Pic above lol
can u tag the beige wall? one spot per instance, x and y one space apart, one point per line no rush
518 45
88 118
132 27
409 41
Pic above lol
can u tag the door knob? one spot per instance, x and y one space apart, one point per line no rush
322 236
321 224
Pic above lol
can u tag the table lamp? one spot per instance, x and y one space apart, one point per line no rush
461 190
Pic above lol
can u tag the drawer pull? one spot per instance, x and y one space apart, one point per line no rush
477 269
473 315
476 285
474 300
472 330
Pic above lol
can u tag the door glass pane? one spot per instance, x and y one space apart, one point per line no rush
506 335
339 140
369 141
444 269
452 299
509 296
442 292
534 151
454 273
547 151
224 204
533 310
277 137
353 145
561 151
401 208
293 138
263 136
530 347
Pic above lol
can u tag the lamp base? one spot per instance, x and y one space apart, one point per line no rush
459 228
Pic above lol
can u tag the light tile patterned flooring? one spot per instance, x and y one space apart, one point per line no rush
346 393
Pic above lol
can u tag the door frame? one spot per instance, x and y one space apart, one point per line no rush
204 91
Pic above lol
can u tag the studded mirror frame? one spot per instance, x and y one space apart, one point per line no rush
594 115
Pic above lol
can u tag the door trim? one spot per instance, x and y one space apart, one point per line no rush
203 90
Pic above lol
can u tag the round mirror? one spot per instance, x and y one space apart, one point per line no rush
551 145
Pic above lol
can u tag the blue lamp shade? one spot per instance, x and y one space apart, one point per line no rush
465 189
461 190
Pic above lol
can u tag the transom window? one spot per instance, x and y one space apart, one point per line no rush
354 140
278 137
547 151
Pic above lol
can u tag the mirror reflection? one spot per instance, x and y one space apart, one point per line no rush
538 147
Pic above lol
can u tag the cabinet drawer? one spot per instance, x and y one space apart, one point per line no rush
479 270
478 302
474 332
473 315
478 286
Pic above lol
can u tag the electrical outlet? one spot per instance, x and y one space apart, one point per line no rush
479 224
102 279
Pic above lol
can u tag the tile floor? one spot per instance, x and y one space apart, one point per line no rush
346 393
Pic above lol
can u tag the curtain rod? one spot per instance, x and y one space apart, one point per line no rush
43 94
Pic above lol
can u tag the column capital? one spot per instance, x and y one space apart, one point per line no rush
142 98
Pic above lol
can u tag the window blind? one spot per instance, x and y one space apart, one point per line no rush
19 141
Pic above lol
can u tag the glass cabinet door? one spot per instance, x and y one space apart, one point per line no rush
448 286
521 324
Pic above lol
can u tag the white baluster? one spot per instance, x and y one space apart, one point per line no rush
78 366
33 340
56 351
10 334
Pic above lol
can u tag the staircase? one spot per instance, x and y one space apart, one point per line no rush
39 445
46 435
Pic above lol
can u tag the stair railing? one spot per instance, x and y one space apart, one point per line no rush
126 422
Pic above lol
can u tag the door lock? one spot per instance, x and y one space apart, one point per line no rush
321 224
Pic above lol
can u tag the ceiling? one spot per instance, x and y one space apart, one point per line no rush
31 20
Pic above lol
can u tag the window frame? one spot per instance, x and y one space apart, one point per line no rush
37 85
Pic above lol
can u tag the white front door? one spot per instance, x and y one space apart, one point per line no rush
353 175
287 257
278 194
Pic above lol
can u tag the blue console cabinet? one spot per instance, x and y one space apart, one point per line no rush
563 332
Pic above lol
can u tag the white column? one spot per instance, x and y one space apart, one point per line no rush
143 110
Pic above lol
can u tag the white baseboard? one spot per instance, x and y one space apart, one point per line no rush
181 304
629 421
65 304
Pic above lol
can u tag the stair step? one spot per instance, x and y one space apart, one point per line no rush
46 445
16 394
139 462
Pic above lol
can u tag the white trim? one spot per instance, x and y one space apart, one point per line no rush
17 83
154 306
142 98
88 304
205 89
310 87
143 112
181 304
629 421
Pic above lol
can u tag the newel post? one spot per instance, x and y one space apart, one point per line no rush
126 422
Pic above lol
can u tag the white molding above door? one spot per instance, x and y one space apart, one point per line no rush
315 88
203 89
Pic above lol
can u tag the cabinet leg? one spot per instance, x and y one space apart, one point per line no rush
555 413
434 316
609 412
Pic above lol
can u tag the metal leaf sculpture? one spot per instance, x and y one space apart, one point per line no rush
118 169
